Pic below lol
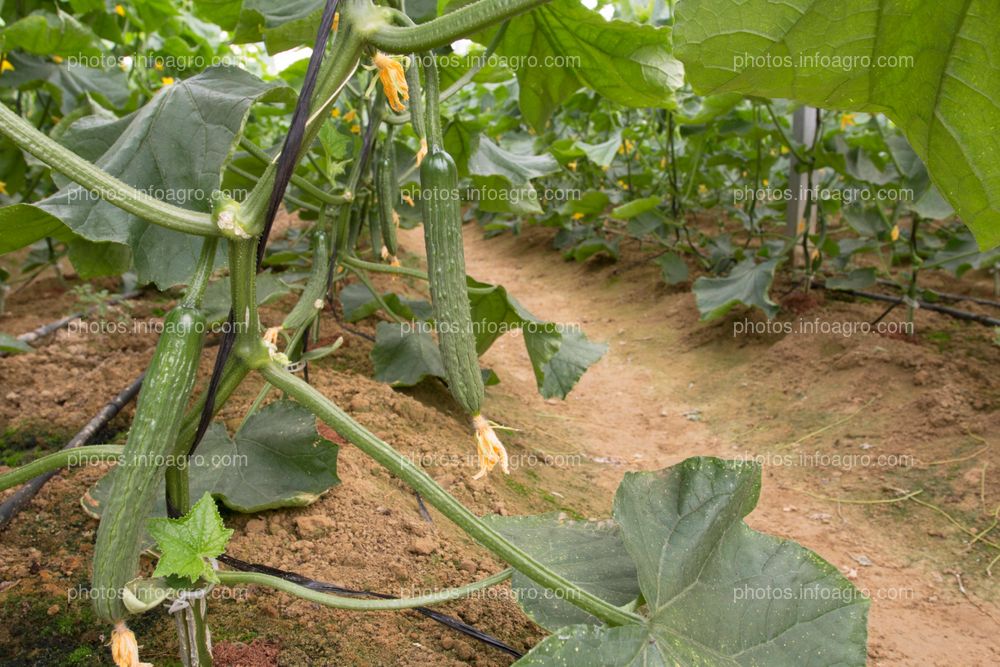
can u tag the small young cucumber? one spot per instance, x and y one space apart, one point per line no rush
311 300
446 270
388 195
158 416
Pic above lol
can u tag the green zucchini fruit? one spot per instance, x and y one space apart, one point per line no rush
446 271
158 416
311 300
388 195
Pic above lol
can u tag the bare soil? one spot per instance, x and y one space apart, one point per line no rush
858 418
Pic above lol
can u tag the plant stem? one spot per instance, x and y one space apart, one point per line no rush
423 483
100 182
60 459
358 263
321 195
243 286
202 273
354 604
444 29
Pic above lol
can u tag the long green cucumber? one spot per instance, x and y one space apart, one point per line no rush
446 271
388 194
311 300
158 417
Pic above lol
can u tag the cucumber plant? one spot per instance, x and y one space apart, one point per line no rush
150 172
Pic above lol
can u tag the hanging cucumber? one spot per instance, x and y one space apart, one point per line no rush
158 416
311 301
388 194
450 299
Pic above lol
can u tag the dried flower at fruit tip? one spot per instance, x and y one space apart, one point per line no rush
422 151
489 448
393 78
124 649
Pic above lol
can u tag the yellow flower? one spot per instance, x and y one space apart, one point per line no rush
336 21
801 228
57 59
119 10
571 165
846 120
167 81
622 184
764 182
355 129
124 649
335 112
577 216
894 234
158 66
702 189
3 187
394 261
5 66
350 115
814 255
422 151
393 78
489 448
663 163
408 199
785 150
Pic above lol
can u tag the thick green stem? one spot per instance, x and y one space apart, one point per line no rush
432 492
355 604
445 29
243 286
60 459
202 273
357 263
100 182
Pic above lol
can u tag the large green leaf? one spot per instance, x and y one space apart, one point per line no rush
67 82
716 592
560 354
563 46
23 224
588 553
503 178
280 24
277 459
747 284
405 354
932 67
174 148
46 34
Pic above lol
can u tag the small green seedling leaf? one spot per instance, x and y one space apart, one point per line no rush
187 543
11 345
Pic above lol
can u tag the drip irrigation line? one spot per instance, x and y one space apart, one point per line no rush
323 587
287 160
949 296
46 329
925 305
15 503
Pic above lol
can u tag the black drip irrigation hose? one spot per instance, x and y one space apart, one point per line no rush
46 329
15 503
934 307
334 589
